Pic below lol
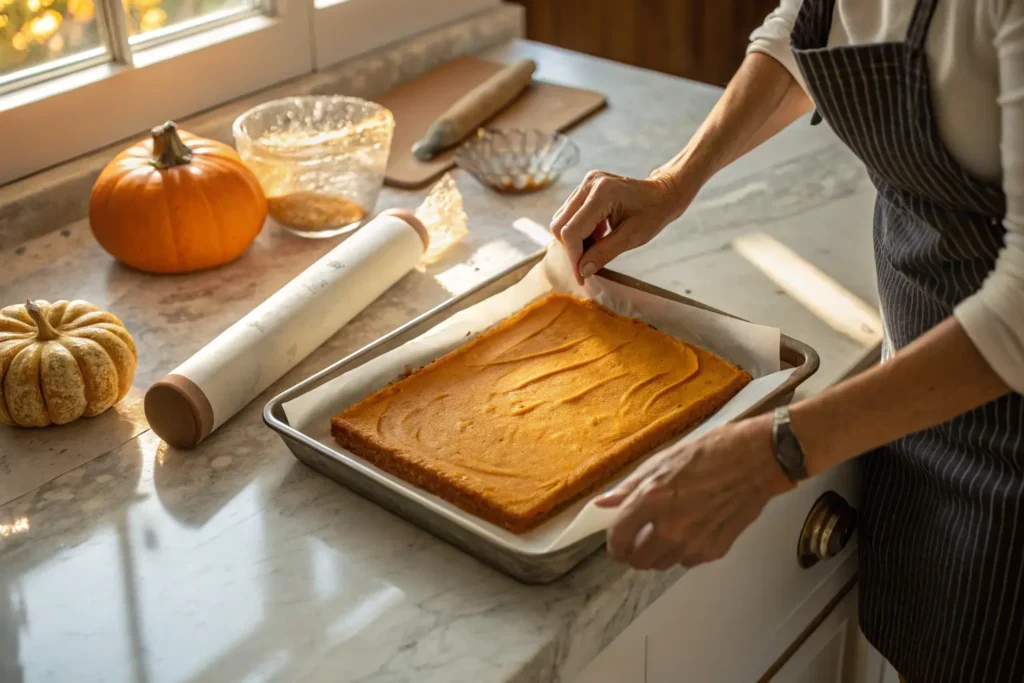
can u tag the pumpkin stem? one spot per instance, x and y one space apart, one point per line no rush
168 149
46 331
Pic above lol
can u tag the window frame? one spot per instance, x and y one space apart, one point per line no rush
172 78
343 29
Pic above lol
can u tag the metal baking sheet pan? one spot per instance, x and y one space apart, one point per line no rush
366 480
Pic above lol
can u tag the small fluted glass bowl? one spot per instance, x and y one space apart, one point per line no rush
517 160
320 159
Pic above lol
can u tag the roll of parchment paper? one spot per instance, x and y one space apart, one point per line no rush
202 393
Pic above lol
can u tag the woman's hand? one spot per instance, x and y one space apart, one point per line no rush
762 99
689 504
635 209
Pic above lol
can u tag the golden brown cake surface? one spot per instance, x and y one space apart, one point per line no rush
545 407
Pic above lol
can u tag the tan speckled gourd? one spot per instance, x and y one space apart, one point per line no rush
62 361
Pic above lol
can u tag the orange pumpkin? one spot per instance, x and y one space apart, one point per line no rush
176 203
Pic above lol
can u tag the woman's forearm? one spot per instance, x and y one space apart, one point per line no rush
937 377
795 103
760 100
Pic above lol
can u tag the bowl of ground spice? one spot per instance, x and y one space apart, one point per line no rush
320 159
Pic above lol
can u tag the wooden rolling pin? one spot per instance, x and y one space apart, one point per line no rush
473 108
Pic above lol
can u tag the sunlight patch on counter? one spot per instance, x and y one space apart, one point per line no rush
18 526
533 230
839 308
485 262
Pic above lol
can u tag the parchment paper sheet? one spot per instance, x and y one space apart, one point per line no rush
753 347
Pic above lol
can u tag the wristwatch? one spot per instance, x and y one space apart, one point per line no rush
788 451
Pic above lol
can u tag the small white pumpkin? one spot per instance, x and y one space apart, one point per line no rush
62 361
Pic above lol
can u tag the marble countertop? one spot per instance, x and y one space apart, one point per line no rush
125 560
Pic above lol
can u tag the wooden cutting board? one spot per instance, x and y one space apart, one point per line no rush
418 102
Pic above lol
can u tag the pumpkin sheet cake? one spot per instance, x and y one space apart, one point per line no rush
538 411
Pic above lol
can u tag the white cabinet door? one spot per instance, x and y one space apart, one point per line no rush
623 661
833 653
731 620
865 664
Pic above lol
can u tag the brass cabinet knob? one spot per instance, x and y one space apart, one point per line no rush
827 529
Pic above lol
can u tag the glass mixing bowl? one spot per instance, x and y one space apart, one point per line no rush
320 159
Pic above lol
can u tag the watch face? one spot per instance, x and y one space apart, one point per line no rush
789 453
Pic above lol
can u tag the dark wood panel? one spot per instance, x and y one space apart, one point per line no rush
700 39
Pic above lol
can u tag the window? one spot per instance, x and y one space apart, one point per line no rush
37 36
151 19
76 75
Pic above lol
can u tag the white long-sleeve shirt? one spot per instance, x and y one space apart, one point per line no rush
975 53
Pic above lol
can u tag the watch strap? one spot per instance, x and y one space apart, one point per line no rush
788 451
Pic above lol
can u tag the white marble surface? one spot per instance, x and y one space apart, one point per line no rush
235 562
30 458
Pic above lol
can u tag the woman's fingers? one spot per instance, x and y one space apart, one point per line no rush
693 501
647 547
618 494
627 235
673 538
627 486
621 536
662 535
580 225
571 205
668 560
584 222
646 503
568 208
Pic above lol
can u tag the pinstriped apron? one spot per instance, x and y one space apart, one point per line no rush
942 533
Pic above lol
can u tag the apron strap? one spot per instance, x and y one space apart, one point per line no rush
922 19
810 31
812 25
